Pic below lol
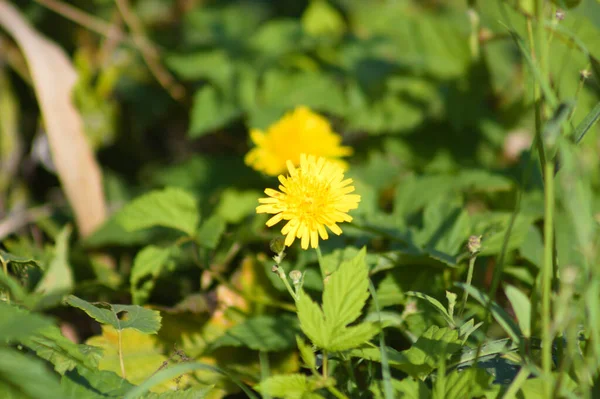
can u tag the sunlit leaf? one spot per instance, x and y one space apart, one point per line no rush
171 207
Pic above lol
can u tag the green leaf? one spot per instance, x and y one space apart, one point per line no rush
263 333
422 357
51 345
82 383
521 306
24 377
290 386
211 111
211 230
346 293
171 207
321 19
149 262
351 337
586 124
143 320
437 305
410 388
312 320
532 247
307 353
469 383
17 323
503 318
445 227
19 260
178 369
236 205
58 278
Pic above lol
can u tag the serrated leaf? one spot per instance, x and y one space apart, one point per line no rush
211 230
521 306
58 277
65 355
422 357
351 337
291 386
308 355
263 333
346 293
312 320
469 383
437 305
17 323
149 262
27 378
171 207
503 318
410 388
144 320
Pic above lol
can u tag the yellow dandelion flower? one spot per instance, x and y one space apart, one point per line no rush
312 197
299 132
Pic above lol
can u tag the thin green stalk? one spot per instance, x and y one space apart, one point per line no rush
324 368
547 272
263 358
283 278
469 280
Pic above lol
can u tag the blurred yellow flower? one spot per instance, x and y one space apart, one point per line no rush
298 132
313 196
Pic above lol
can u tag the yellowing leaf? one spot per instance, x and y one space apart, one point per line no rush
141 356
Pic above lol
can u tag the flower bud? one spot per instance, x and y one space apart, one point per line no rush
474 244
296 276
277 245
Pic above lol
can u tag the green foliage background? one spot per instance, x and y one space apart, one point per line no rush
439 100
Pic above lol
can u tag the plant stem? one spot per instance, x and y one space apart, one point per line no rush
547 272
283 277
469 280
325 368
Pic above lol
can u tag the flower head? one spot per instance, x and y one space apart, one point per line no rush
299 132
312 197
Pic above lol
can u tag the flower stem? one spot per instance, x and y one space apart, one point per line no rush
283 277
547 271
469 280
325 365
